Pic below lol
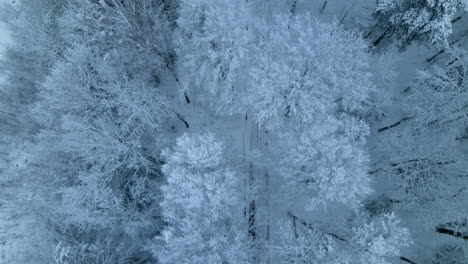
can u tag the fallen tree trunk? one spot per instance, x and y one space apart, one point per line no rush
451 232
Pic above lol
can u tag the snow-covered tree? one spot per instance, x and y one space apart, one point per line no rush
429 21
423 159
439 98
379 237
212 46
303 68
425 152
369 239
313 86
102 110
25 62
306 244
200 204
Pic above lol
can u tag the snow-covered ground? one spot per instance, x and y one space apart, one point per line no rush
4 35
7 214
4 40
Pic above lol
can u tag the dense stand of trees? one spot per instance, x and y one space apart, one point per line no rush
220 131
